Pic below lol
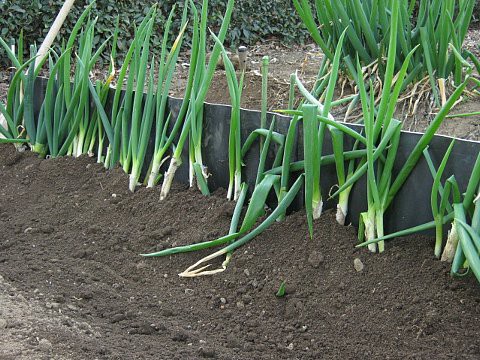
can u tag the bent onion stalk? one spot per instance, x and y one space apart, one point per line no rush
265 183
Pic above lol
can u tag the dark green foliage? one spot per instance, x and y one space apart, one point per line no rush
251 21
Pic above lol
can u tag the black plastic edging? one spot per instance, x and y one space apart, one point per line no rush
410 207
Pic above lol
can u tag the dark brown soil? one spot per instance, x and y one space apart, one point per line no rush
72 285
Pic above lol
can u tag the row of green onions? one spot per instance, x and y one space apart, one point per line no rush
68 125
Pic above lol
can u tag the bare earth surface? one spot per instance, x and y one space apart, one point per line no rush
73 285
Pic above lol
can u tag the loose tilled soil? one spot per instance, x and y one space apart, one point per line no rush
73 286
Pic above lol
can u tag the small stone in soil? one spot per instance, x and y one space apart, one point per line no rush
358 265
180 335
27 230
240 304
45 344
141 265
3 324
52 305
206 352
117 318
315 259
144 329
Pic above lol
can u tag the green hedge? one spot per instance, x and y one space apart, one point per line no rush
252 20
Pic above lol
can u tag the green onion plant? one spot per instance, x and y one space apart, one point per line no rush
234 142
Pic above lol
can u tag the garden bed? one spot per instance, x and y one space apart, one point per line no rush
74 286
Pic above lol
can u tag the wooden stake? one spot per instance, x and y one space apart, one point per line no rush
54 30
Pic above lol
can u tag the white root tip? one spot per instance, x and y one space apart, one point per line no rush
451 245
153 174
341 216
169 175
151 180
20 147
191 174
238 186
132 183
370 234
317 210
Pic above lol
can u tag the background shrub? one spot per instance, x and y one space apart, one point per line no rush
252 20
